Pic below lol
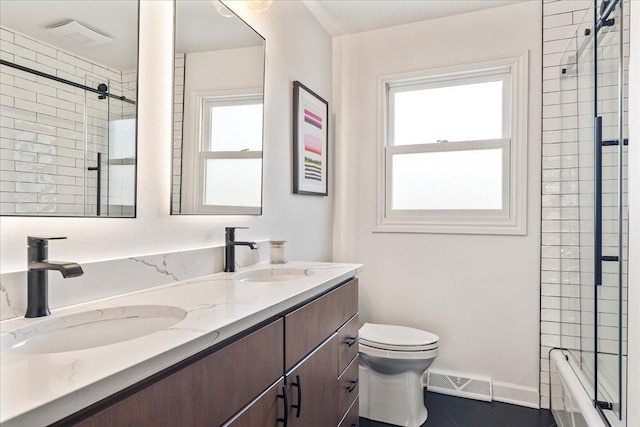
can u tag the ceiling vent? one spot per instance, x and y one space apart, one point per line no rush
79 34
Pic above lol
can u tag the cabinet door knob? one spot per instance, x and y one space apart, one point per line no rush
298 384
352 341
285 419
353 385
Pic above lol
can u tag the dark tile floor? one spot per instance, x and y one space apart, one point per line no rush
449 411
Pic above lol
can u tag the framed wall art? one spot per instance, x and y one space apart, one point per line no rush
310 141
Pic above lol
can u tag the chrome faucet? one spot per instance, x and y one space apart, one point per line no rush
230 248
37 277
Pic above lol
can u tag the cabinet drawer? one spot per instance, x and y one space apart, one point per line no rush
348 386
207 392
348 343
264 411
312 323
353 416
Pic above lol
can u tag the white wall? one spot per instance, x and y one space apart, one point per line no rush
480 294
633 378
297 49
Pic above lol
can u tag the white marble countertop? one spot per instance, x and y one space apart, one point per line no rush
38 389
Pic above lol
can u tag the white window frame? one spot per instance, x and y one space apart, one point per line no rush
511 69
195 157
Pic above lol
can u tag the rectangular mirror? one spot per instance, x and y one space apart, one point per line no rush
218 99
69 84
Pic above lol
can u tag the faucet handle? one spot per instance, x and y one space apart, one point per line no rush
37 241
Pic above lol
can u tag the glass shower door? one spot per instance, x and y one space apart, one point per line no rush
122 150
594 203
110 149
611 275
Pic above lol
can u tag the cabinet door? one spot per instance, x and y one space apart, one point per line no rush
311 388
205 393
308 326
266 411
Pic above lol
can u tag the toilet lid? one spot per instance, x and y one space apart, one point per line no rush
393 337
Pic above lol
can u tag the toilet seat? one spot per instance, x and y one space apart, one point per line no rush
397 342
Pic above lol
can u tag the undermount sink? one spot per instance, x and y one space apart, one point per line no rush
273 275
94 328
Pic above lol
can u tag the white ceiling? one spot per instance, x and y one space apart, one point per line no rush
200 28
353 16
116 19
119 20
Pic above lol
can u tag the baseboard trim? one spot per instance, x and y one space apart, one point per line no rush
516 395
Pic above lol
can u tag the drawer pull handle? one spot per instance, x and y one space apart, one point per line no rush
283 396
298 385
353 385
352 341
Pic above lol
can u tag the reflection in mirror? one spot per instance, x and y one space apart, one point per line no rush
69 80
218 98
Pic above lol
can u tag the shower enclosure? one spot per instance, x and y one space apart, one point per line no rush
85 162
110 141
593 264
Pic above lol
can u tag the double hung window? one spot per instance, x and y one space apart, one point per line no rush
451 157
228 162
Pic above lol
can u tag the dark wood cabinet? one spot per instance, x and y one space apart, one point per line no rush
308 354
264 411
309 325
311 388
332 365
206 392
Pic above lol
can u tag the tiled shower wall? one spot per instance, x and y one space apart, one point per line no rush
178 119
567 194
42 130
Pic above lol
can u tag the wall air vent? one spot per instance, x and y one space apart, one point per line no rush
79 34
478 388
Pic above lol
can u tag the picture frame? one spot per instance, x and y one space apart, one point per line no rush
310 142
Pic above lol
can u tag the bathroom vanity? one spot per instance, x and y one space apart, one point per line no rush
266 346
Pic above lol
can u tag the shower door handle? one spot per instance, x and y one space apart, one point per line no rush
597 199
98 168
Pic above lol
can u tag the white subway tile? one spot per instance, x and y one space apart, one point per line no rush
564 7
17 93
19 52
6 35
559 20
33 106
34 46
29 126
560 32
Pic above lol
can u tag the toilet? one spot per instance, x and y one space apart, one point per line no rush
392 361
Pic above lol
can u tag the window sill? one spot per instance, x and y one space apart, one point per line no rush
448 227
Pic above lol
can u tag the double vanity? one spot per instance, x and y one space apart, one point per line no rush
263 346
